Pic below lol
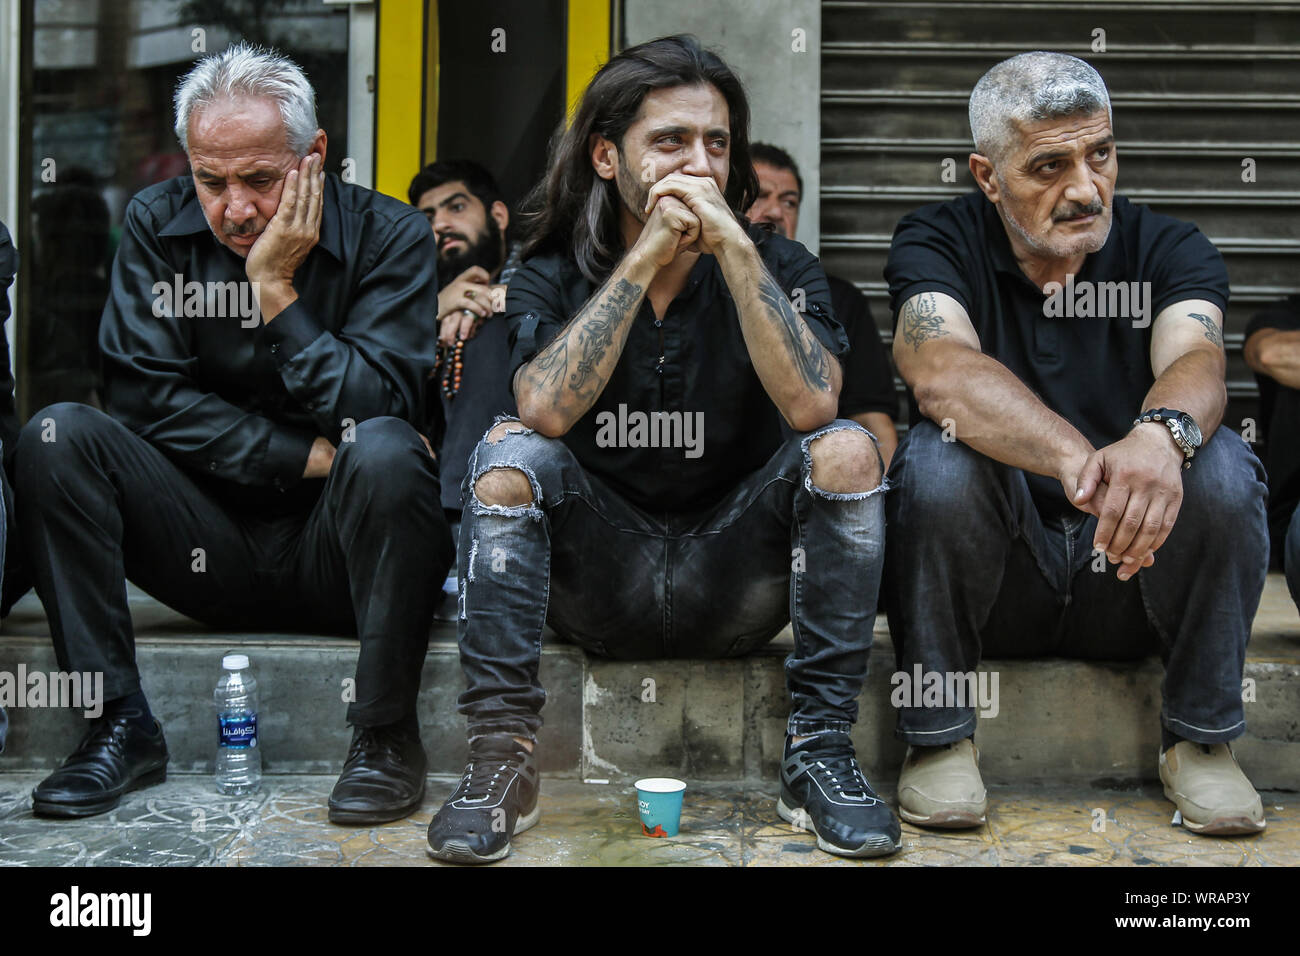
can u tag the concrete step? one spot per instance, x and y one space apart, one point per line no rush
1058 721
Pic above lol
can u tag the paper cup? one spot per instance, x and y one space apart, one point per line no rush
659 802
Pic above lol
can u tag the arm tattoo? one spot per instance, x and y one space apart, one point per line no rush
596 334
1211 328
808 354
551 363
593 334
921 320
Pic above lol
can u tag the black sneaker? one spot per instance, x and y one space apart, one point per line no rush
496 799
823 790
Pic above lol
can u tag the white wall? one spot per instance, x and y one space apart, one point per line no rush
756 37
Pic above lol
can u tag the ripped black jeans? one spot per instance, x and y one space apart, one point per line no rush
626 584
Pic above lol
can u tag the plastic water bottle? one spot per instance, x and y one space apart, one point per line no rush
239 762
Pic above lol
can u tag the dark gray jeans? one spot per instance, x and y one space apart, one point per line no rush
630 585
973 568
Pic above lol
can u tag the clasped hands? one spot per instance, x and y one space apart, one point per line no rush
687 212
1134 487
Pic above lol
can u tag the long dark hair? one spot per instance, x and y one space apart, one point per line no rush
572 210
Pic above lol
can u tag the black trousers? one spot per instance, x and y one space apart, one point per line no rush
361 552
485 393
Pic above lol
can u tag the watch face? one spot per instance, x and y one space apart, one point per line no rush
1190 430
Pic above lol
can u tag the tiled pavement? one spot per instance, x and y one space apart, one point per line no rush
184 822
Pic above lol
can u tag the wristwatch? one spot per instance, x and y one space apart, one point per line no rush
1187 435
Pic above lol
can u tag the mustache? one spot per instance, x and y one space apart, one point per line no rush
1074 211
450 236
247 229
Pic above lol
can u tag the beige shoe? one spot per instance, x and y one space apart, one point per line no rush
941 787
1209 789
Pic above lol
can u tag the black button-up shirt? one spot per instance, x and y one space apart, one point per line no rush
241 401
693 361
1093 370
8 415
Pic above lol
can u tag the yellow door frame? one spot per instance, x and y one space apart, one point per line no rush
406 79
402 103
589 43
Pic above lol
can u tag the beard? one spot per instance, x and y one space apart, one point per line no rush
632 190
1065 247
485 251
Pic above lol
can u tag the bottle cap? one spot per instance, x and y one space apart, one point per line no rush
235 662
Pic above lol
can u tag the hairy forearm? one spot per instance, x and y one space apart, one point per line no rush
1275 353
990 410
799 374
563 381
1193 383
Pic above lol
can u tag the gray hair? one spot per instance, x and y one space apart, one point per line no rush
1031 87
247 70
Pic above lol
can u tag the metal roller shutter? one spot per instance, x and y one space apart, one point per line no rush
1196 88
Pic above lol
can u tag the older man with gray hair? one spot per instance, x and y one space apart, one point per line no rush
1064 352
266 348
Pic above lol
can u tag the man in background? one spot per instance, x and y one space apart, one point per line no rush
470 222
868 395
1272 350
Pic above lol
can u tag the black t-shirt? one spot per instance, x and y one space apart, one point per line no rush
705 374
1279 417
868 376
1094 372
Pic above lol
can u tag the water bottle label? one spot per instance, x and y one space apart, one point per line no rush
239 730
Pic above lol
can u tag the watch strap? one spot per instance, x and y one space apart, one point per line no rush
1170 417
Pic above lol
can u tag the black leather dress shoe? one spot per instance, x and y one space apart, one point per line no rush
383 778
115 757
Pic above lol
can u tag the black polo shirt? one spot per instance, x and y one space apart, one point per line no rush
1092 371
238 404
1279 421
694 361
868 374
